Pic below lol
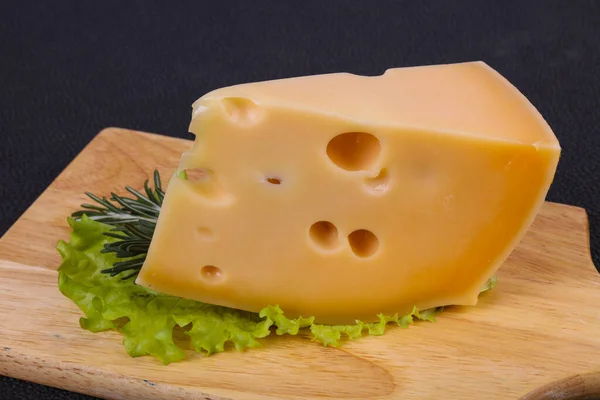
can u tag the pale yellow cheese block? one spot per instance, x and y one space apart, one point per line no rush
342 197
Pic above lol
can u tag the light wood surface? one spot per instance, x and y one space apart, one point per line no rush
541 324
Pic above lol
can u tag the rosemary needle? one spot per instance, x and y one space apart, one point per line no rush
133 221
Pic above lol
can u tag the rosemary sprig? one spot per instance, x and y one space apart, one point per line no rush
134 220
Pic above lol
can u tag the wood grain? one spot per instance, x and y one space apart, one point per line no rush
541 324
576 387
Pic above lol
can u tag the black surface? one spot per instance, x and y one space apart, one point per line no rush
69 69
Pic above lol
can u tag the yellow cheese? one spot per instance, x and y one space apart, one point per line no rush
341 196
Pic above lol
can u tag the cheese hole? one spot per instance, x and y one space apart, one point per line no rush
241 110
354 151
205 233
379 184
193 174
205 182
211 274
363 243
324 234
274 181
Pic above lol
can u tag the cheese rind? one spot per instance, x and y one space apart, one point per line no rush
342 197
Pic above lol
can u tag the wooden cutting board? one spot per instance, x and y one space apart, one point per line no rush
541 323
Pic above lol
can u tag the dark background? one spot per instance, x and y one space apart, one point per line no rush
71 68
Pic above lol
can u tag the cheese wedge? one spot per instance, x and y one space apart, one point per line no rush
341 196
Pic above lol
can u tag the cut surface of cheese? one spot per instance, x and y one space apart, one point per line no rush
342 196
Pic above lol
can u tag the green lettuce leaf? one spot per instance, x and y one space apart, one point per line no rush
148 319
490 284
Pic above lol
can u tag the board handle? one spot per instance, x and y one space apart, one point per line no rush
575 387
